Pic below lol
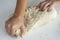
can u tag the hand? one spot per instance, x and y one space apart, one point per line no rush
46 4
15 23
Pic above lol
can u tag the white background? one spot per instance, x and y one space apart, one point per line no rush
51 31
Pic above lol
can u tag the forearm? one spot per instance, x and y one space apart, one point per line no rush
20 7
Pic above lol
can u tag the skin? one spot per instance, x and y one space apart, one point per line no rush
47 3
17 20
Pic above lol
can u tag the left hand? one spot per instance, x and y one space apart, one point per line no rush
47 3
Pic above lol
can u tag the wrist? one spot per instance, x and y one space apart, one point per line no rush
18 15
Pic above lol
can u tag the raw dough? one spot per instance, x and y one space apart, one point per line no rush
34 17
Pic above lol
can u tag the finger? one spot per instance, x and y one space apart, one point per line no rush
51 3
22 28
50 6
41 5
45 5
7 26
13 30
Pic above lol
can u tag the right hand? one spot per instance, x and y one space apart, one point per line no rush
14 23
46 4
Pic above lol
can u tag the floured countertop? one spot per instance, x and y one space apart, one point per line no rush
51 31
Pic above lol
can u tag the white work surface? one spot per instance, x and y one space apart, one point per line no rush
50 31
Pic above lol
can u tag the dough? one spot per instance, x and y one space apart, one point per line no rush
34 17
